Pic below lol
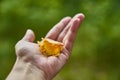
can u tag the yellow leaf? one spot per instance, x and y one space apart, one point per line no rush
50 47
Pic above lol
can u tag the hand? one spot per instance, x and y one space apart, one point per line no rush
65 32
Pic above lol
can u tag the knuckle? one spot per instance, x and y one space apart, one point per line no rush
21 51
60 38
57 29
24 51
63 23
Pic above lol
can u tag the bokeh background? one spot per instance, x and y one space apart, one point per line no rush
96 52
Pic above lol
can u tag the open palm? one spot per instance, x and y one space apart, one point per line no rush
65 32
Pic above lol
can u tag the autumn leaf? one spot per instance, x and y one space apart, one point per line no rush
50 47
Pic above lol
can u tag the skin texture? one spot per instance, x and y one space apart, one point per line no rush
32 65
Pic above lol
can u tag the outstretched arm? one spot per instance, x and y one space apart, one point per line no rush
32 65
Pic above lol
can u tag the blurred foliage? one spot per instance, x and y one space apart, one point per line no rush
96 53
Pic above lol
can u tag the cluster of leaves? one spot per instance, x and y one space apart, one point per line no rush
96 51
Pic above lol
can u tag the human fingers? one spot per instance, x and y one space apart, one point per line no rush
56 30
64 32
29 36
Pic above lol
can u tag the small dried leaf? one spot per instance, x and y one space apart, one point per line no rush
50 47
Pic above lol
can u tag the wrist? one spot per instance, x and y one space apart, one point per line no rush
23 70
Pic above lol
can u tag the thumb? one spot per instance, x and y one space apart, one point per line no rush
29 36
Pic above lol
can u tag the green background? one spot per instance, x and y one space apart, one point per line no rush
96 52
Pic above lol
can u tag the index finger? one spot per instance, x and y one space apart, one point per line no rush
55 31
